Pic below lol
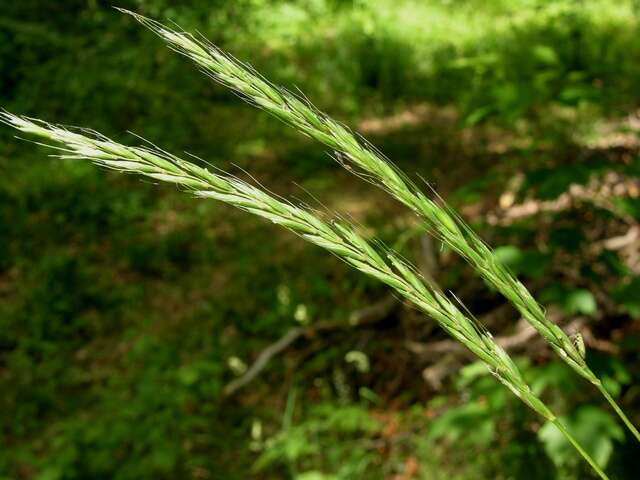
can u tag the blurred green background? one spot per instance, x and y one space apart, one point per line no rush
126 307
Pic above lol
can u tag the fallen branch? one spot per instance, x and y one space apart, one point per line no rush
448 352
364 316
622 241
523 334
261 362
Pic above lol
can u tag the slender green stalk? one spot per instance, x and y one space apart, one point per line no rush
440 219
560 426
619 411
341 239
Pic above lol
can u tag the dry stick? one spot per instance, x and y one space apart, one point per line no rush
263 359
338 238
440 219
521 339
364 316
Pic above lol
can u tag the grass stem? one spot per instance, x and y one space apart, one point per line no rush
619 411
560 426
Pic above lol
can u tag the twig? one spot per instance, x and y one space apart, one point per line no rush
622 241
263 359
523 334
523 337
364 316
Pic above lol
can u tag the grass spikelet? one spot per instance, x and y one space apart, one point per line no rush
343 241
440 219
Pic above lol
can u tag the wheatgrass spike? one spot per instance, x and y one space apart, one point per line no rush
342 241
441 221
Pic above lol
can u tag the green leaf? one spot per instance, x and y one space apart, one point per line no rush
508 255
611 371
528 263
471 423
580 301
630 206
477 115
627 295
471 372
575 94
314 475
188 375
545 54
555 374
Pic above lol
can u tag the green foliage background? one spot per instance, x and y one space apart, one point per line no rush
125 308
